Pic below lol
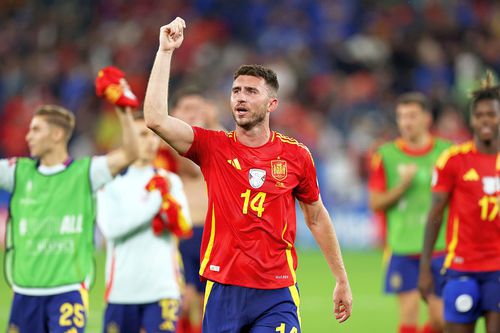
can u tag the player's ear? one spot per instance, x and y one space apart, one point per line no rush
58 133
273 104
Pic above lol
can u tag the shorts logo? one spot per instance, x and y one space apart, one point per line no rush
13 329
464 303
396 281
256 177
215 268
112 328
279 170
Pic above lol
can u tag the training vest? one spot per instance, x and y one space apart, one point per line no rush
407 218
51 226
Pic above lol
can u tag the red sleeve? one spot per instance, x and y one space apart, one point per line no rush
377 181
199 150
308 190
443 178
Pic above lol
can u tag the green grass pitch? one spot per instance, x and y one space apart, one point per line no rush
372 310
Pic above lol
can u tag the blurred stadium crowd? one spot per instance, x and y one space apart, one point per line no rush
340 63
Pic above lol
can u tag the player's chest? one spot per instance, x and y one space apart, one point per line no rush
268 171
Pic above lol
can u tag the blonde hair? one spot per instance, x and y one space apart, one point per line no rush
58 116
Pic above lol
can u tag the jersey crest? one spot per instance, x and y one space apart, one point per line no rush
279 170
256 177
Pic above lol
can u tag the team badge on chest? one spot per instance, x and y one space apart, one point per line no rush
279 170
256 177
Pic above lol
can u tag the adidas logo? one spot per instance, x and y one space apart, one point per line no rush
235 163
471 175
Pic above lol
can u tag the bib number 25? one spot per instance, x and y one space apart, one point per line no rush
256 204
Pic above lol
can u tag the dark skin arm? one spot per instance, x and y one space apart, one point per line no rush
434 222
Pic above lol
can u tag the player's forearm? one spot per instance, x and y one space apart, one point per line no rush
324 234
155 102
129 150
130 140
380 201
432 228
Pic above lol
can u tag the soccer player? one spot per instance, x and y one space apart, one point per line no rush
253 177
466 178
49 255
399 186
142 268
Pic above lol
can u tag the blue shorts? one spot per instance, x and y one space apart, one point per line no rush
402 274
233 309
60 313
190 251
468 295
153 317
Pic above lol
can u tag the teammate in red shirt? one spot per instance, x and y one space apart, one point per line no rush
466 177
253 176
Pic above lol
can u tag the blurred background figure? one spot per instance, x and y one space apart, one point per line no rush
138 213
400 183
190 105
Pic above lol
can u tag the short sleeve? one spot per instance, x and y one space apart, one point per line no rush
99 172
307 190
7 174
443 177
377 181
200 148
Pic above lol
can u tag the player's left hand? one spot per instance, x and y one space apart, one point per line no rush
342 300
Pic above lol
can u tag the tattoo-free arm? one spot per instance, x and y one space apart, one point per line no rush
432 228
319 222
128 152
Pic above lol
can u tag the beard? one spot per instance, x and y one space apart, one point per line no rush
249 123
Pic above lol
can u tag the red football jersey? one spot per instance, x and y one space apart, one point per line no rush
473 231
250 226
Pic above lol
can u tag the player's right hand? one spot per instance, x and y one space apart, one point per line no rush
342 301
425 283
172 35
407 172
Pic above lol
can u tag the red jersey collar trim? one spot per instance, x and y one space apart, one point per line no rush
401 144
271 139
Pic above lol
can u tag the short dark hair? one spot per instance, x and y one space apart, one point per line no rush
189 90
59 116
415 97
259 71
488 90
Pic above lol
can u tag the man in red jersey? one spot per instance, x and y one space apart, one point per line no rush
253 176
466 177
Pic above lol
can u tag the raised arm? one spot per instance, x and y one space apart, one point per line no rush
434 221
129 150
175 132
318 221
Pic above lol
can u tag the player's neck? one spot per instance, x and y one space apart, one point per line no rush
419 142
54 157
486 147
254 137
142 163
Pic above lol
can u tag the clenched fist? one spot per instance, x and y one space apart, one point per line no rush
171 35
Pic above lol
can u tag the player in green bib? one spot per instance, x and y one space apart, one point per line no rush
49 254
399 186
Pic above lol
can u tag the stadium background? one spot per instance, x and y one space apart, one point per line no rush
340 64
